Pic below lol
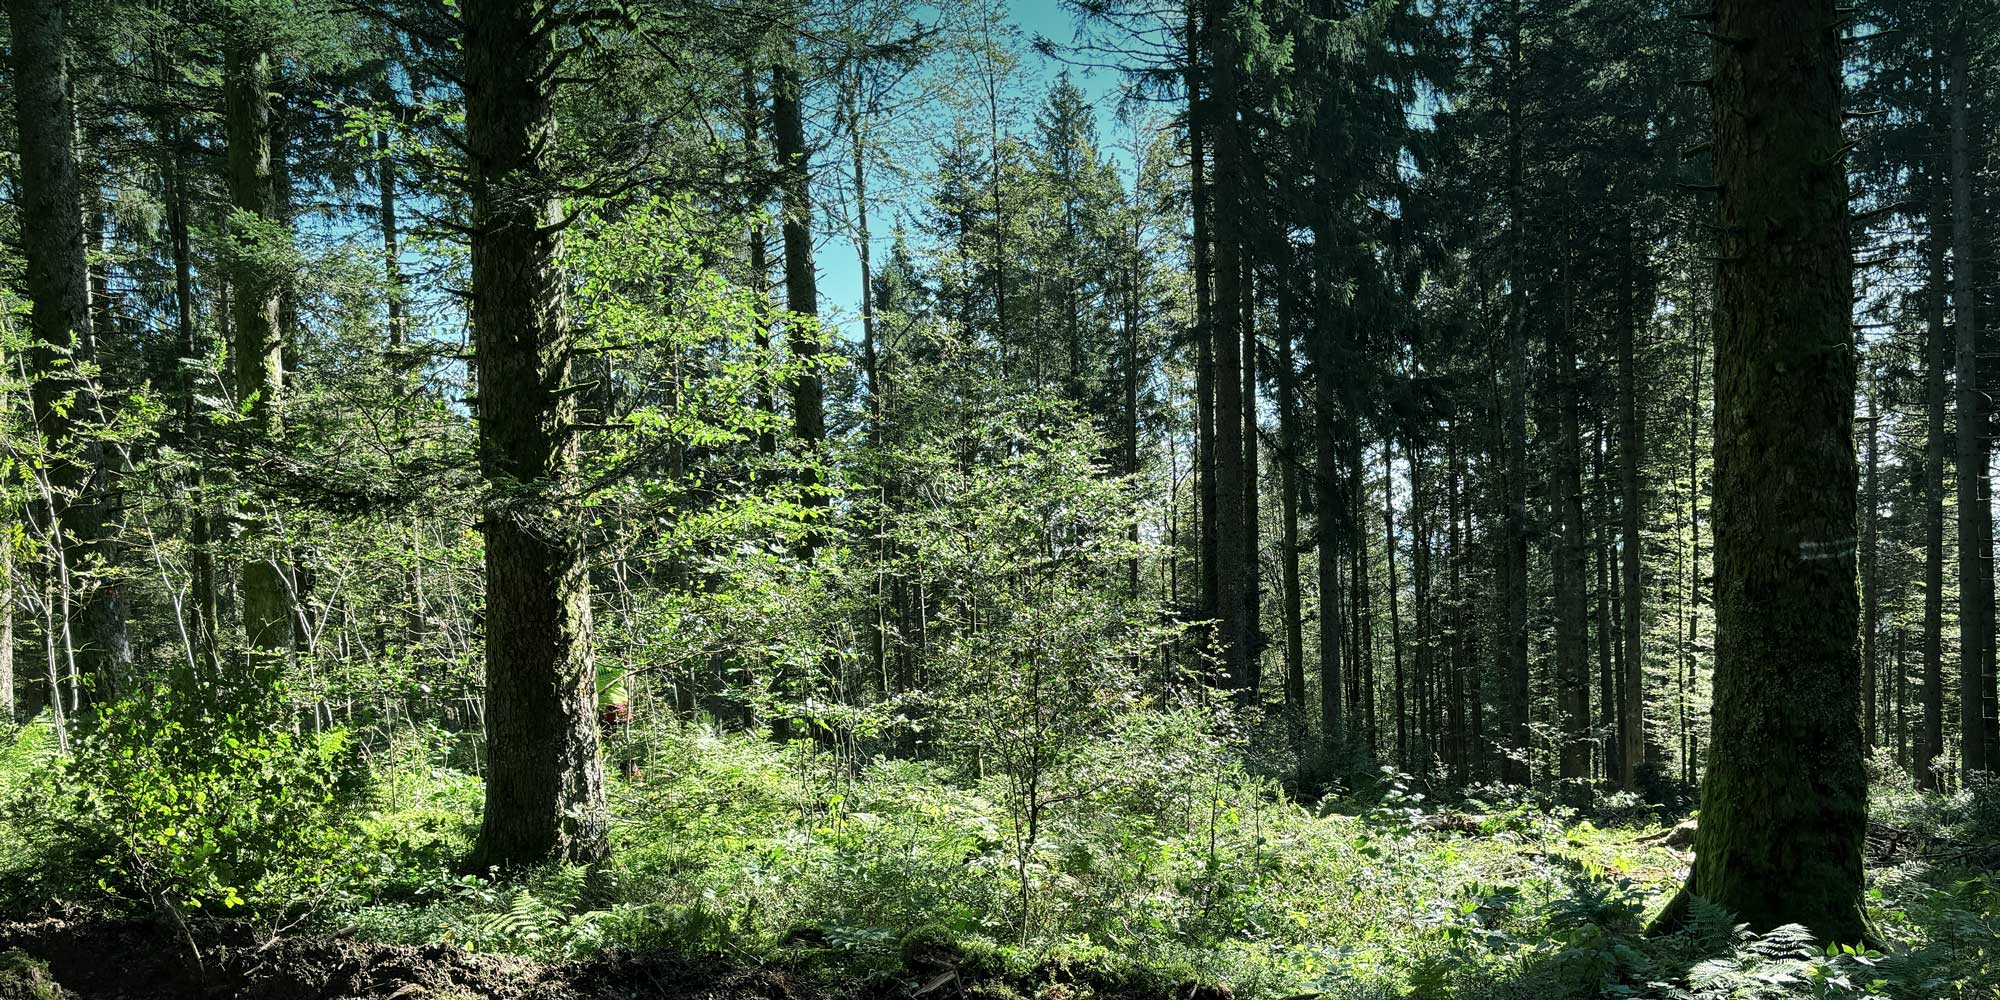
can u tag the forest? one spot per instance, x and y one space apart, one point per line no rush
999 499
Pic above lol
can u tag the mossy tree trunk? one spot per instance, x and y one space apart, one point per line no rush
58 286
257 278
1784 802
545 780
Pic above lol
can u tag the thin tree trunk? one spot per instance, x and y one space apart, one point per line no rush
1288 502
1204 332
545 779
1363 614
1420 600
1395 612
1461 659
1513 640
206 617
1572 547
1633 744
1253 615
1134 280
1607 659
1975 519
1931 741
1871 585
1690 749
1329 506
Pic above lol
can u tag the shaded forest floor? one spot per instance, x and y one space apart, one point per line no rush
746 870
99 958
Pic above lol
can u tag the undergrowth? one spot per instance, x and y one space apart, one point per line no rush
1176 867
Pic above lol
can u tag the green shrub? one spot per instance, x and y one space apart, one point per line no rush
214 802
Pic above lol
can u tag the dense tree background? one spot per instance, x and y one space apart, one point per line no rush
1334 406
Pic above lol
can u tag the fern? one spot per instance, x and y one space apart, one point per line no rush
525 925
1785 963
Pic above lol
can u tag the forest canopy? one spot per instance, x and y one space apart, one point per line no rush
653 498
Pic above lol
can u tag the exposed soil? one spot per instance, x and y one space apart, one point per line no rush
91 957
103 959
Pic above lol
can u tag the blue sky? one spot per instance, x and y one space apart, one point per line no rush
840 271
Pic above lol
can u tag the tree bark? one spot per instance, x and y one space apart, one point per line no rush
1395 608
1608 746
58 286
1784 803
1930 743
1420 602
1199 196
1288 502
1251 528
545 779
1512 642
1572 548
801 281
1236 639
256 283
1329 505
1871 586
1975 518
1633 747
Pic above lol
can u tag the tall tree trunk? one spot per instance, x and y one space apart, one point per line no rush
1871 584
1233 572
1902 687
1784 803
1512 642
1204 332
1361 609
1975 516
1690 743
1134 280
1607 657
759 264
1461 626
1633 744
1288 502
1572 547
1395 610
1329 505
1326 392
545 779
58 285
801 280
1253 587
256 284
1931 741
1420 602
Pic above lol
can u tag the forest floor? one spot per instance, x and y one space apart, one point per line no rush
741 870
100 958
96 957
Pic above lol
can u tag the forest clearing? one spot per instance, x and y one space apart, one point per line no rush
999 499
